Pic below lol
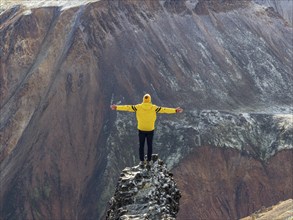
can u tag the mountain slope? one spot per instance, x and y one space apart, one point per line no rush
282 211
226 184
62 149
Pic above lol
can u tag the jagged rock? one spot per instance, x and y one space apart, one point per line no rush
145 193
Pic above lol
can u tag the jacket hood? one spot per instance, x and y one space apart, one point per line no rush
147 98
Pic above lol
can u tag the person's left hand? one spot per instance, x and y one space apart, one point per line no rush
179 110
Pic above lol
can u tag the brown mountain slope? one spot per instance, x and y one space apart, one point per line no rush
224 184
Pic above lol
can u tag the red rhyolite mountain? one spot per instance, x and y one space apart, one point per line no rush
227 63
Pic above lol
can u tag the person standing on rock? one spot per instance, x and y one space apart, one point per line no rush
146 115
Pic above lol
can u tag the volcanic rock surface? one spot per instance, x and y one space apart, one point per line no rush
227 63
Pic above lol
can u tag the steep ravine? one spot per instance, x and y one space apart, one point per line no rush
226 63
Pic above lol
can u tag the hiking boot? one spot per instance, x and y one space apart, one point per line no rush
149 164
141 164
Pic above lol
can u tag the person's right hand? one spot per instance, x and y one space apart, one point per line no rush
113 107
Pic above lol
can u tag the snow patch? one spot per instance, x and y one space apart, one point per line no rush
65 4
285 121
191 4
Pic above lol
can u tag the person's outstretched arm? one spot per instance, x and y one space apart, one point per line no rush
169 110
128 108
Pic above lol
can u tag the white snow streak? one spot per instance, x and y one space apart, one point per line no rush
65 4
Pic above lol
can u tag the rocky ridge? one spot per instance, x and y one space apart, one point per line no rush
258 134
148 192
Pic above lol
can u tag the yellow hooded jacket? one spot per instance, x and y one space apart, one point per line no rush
146 114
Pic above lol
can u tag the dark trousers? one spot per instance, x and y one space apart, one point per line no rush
148 135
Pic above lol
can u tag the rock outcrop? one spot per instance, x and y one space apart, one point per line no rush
283 8
145 193
228 63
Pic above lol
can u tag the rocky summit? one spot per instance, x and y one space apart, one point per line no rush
145 192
